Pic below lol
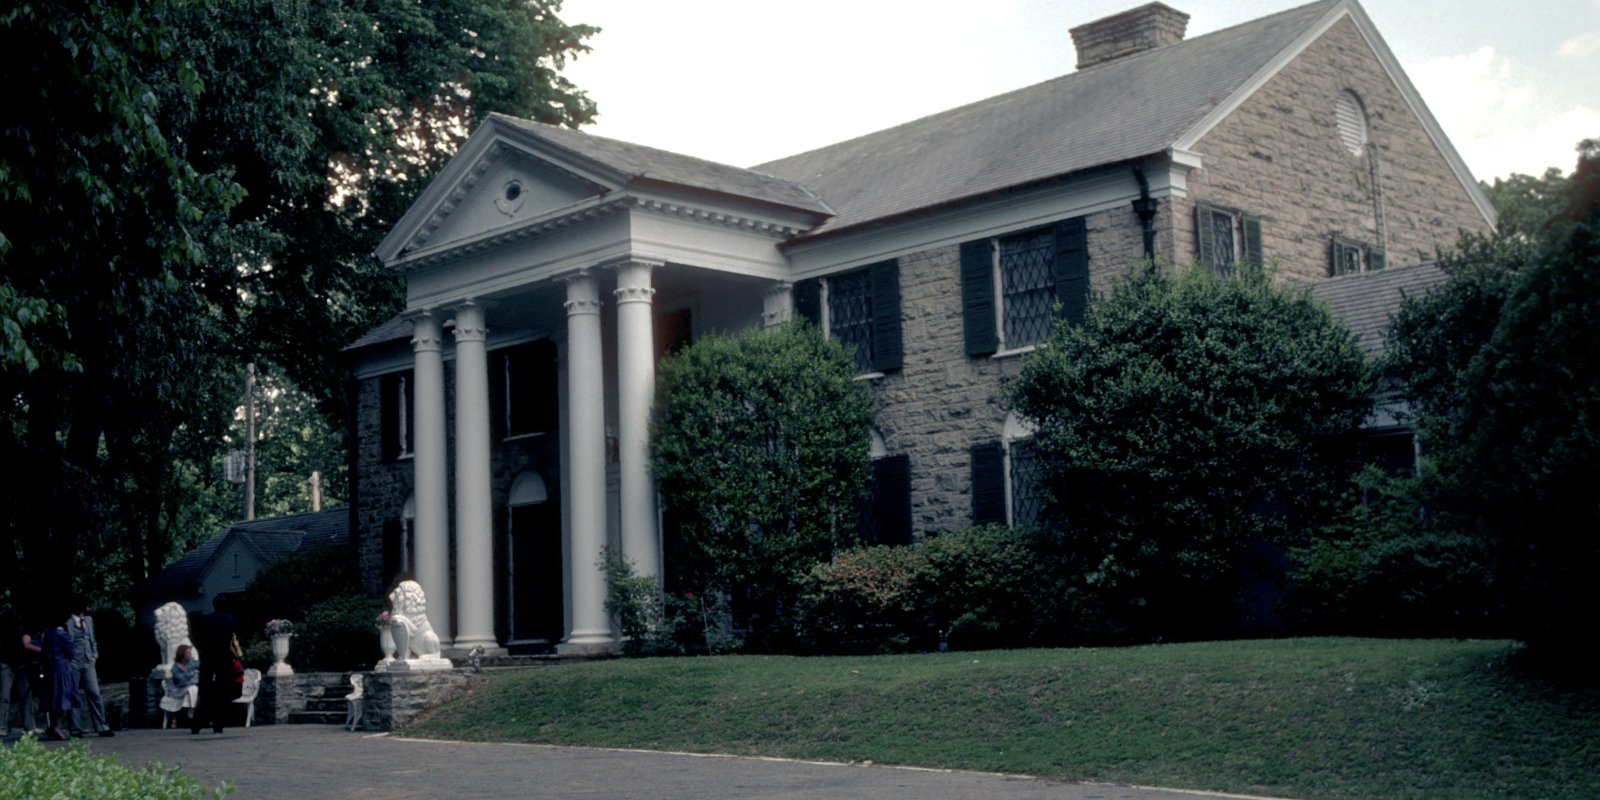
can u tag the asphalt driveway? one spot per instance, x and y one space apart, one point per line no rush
300 762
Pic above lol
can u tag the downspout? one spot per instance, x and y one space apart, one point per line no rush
1146 207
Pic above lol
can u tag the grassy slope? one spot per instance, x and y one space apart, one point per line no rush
1308 718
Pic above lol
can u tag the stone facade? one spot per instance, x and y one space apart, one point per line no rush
943 402
1279 155
394 699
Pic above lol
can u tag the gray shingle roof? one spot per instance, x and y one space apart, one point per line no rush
396 327
1126 109
1368 301
269 539
638 162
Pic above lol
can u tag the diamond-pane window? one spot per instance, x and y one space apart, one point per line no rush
850 314
1025 499
1028 286
1223 252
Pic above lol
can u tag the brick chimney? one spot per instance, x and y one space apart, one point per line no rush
1134 31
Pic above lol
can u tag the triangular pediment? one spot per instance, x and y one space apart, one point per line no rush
498 180
514 187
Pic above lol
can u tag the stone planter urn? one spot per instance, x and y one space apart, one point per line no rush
280 653
385 643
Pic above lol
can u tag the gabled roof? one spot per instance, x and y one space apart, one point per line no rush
1367 302
268 539
634 162
1130 108
1148 104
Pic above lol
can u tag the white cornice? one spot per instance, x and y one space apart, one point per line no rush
1087 193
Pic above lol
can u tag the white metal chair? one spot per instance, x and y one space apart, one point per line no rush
247 695
353 702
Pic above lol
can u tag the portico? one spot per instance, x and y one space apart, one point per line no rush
530 237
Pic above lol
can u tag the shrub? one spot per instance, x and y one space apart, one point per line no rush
339 635
989 586
1189 419
639 608
1391 567
33 771
761 455
993 586
868 599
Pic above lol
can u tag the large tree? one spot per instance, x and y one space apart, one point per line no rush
1187 419
189 186
761 456
1504 366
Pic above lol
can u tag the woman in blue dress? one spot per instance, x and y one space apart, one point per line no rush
63 692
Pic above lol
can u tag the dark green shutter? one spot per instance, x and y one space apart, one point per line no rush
1205 242
1072 269
988 484
389 417
1252 240
887 351
893 477
546 388
808 300
497 395
977 297
1376 259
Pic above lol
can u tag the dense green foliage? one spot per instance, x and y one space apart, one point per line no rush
760 449
986 587
1189 418
1503 365
186 187
29 771
1304 718
1523 204
1393 566
335 621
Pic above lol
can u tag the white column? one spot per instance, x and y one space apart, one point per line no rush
474 515
777 304
586 485
429 471
636 386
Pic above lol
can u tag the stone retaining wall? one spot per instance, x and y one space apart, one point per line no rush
396 698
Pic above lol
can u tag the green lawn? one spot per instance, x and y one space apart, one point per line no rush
1303 718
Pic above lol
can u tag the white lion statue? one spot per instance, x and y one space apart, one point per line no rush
414 637
172 629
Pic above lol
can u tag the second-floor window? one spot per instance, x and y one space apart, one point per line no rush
1011 284
861 309
1225 237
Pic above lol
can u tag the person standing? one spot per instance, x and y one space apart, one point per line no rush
11 676
214 634
85 676
63 692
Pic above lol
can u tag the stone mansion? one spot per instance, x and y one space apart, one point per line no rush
502 425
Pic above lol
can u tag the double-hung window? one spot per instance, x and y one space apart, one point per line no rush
1226 237
1010 285
523 397
1352 258
861 309
395 397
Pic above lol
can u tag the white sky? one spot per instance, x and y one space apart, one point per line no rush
1515 85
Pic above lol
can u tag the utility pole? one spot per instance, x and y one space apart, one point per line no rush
316 490
250 441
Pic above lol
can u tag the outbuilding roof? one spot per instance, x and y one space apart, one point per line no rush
1367 302
269 539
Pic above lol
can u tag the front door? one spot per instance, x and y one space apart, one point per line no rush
537 593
